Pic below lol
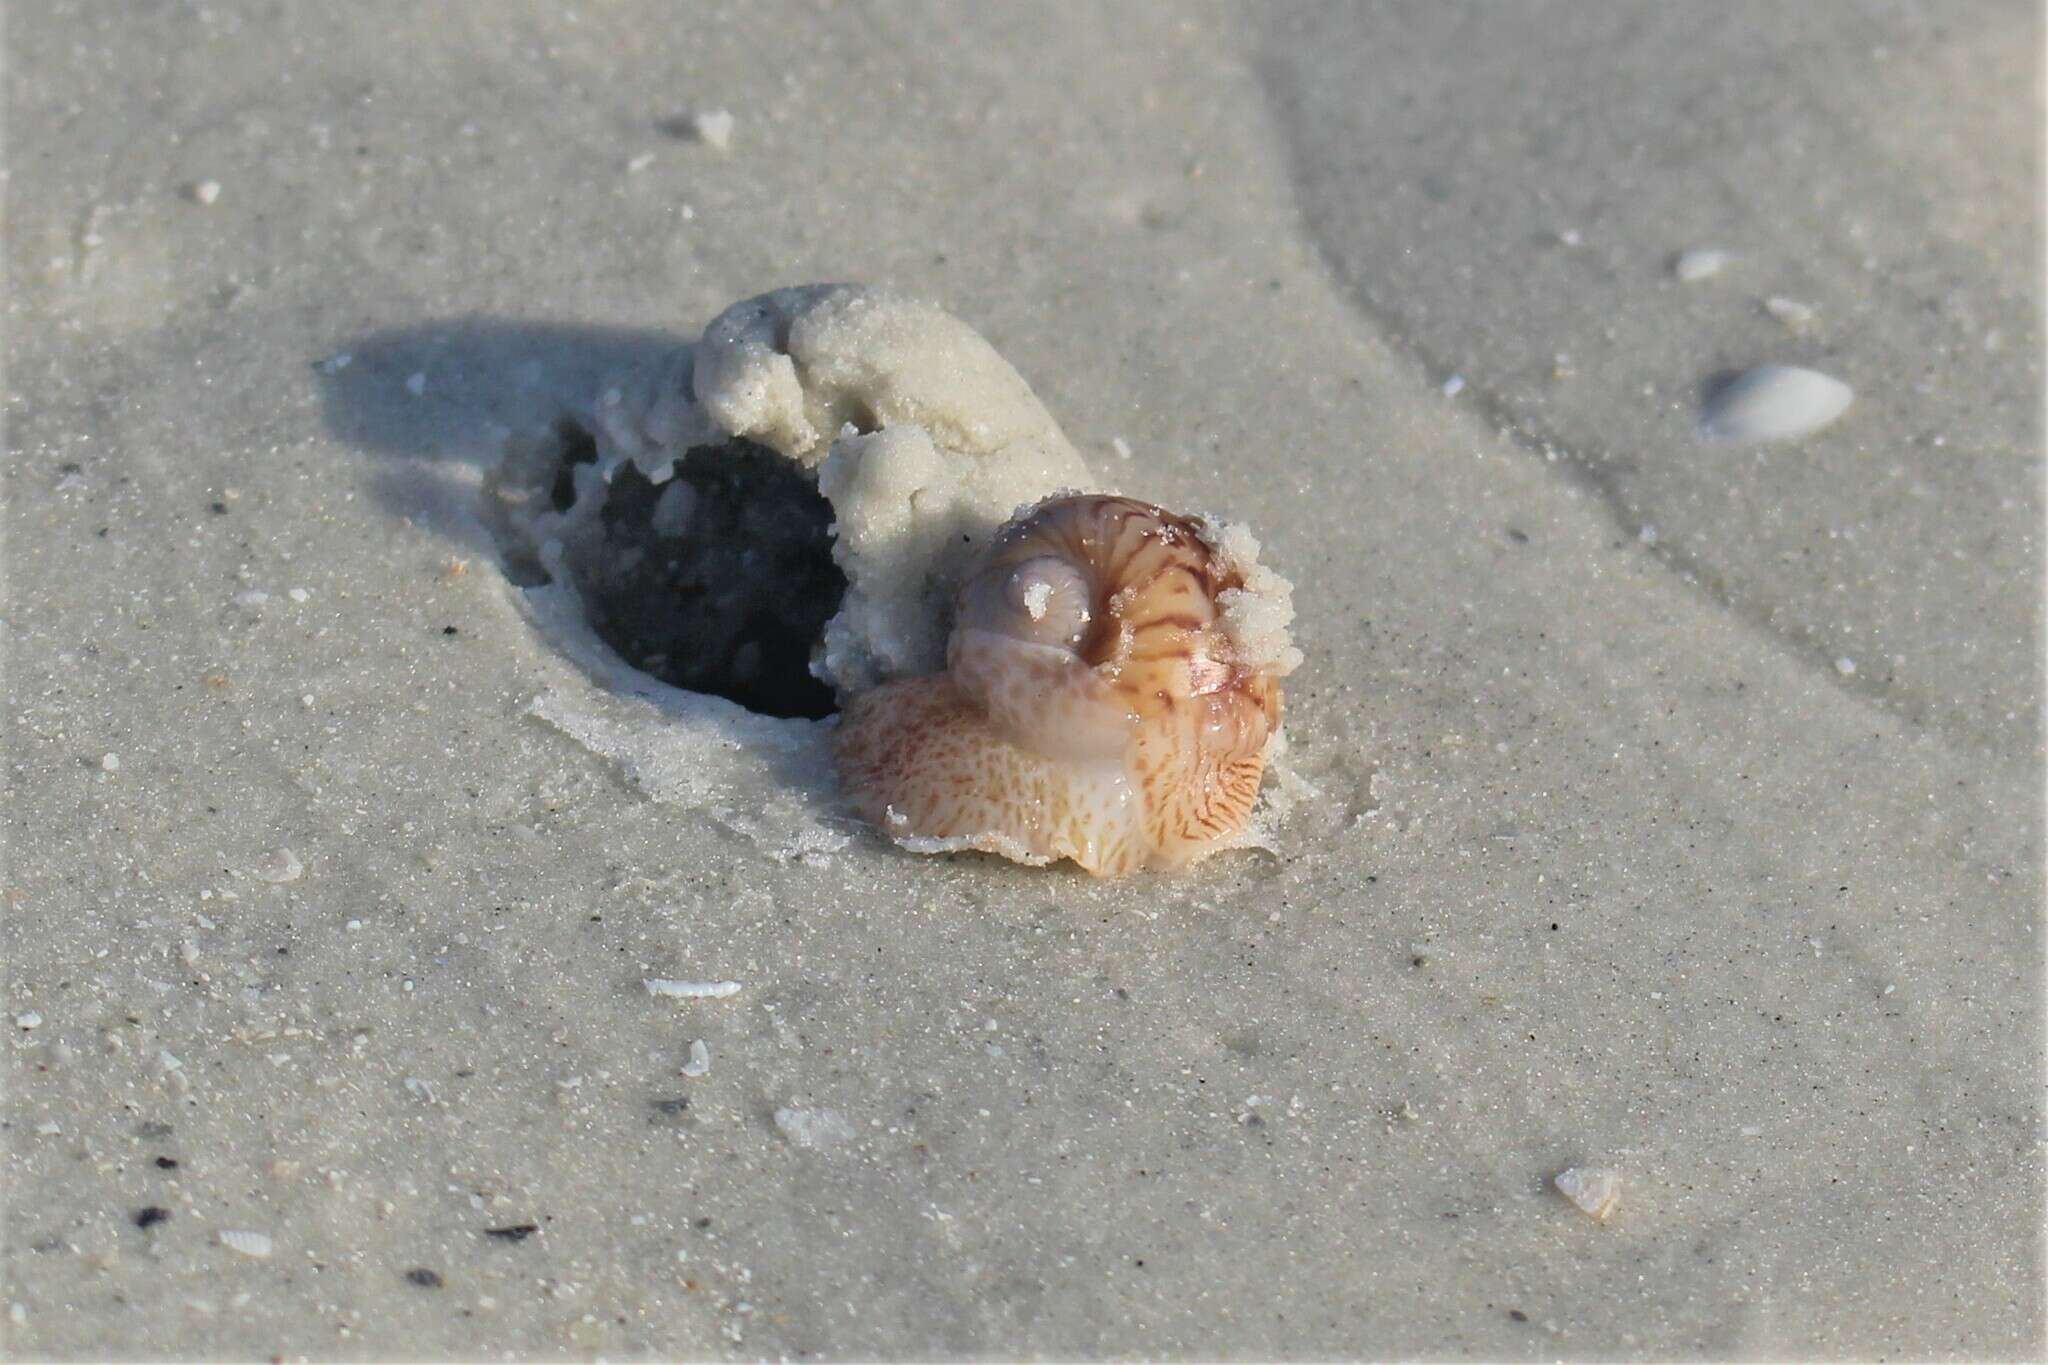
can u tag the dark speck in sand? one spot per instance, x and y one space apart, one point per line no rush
423 1277
449 630
151 1216
674 1106
515 1232
1518 1315
220 509
167 1163
1519 537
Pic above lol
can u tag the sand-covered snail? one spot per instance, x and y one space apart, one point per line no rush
1110 694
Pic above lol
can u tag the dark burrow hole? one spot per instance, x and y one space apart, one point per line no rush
578 447
718 580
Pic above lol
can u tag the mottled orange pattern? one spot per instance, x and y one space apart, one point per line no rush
1094 707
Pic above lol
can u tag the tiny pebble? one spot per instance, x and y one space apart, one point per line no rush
1846 666
299 595
29 1019
110 763
1121 447
700 1059
1454 386
206 191
416 383
423 1277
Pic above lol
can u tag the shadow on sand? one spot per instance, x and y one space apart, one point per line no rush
437 400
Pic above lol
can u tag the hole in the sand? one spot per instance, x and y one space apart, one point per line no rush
719 579
578 447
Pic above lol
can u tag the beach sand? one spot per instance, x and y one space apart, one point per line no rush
1652 805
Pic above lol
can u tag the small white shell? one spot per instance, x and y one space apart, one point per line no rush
1774 403
255 1244
1701 263
813 1128
714 128
1798 317
690 990
279 866
1596 1193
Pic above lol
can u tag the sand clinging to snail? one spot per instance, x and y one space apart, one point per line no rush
1020 668
922 438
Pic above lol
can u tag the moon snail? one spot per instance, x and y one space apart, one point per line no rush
1110 695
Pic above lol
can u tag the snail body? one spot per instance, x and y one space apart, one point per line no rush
1111 688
